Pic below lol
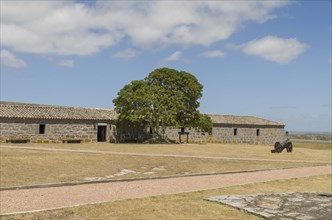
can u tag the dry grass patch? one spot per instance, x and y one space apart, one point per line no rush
314 146
26 167
182 206
301 151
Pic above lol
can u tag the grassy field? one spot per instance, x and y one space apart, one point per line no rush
26 167
325 136
301 151
315 146
182 206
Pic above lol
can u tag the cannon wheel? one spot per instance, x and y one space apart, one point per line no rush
290 147
276 144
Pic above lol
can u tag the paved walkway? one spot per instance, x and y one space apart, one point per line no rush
156 155
25 200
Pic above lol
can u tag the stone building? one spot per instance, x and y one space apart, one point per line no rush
246 129
58 124
55 124
234 129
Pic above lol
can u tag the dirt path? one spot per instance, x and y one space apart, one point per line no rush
56 197
156 155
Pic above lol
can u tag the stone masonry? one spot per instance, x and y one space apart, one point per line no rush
194 136
24 121
247 135
55 131
282 205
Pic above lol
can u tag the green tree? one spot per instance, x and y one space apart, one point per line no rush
204 123
166 97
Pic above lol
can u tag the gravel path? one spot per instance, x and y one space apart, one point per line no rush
25 200
156 155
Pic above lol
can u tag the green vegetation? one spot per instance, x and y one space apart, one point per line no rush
165 98
182 206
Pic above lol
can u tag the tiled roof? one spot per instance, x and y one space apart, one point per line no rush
242 120
33 111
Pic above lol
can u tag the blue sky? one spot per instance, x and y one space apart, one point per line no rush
265 58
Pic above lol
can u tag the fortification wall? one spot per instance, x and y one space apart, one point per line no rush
54 132
257 135
194 135
246 135
87 131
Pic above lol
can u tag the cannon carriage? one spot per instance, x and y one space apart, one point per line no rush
279 147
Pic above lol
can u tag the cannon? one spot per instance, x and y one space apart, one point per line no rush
279 147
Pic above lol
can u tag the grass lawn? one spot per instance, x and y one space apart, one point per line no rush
182 206
301 151
26 167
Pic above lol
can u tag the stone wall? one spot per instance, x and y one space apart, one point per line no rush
55 130
194 135
58 130
247 135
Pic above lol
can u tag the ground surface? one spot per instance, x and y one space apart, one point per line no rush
282 205
67 162
39 164
190 205
56 197
301 151
45 165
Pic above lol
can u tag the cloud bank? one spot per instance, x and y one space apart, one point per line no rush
10 60
213 54
279 50
73 28
125 54
173 57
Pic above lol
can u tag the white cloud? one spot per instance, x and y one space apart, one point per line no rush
173 57
279 50
8 59
67 63
125 54
73 28
213 54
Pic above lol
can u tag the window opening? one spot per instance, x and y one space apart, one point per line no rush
235 131
41 129
257 132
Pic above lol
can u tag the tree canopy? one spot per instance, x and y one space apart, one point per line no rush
165 98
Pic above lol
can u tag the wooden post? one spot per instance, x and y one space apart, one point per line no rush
180 137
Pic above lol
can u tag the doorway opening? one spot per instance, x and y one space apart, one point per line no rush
101 133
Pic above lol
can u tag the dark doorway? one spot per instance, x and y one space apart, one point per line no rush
101 135
41 129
